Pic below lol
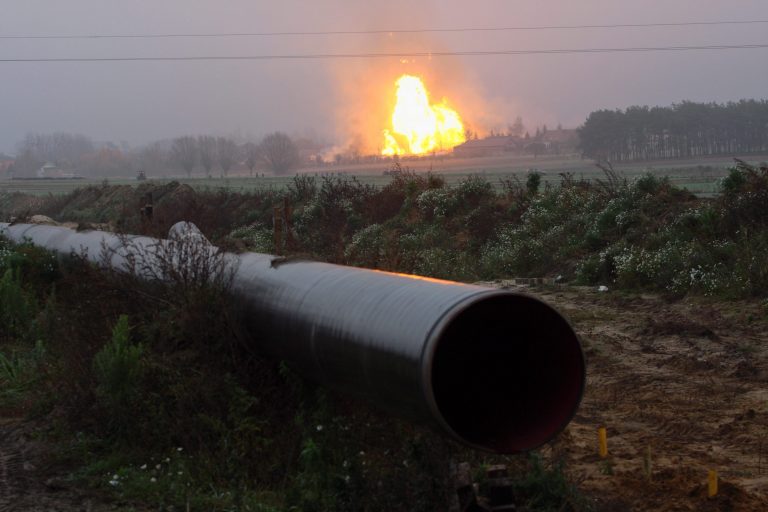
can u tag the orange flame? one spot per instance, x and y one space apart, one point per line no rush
418 127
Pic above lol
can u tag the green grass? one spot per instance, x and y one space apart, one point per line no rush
699 176
686 178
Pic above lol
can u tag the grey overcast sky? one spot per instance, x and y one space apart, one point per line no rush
338 101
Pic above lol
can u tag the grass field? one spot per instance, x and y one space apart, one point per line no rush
699 176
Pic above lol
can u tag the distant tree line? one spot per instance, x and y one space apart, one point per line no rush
682 130
277 151
69 152
77 154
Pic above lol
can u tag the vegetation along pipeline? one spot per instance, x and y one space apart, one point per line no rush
494 369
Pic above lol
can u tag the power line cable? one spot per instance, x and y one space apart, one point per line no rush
328 56
393 31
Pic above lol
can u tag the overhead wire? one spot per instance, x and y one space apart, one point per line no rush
401 55
383 31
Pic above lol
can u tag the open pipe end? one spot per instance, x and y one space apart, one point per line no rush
507 373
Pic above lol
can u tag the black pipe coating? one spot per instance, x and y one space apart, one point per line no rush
495 369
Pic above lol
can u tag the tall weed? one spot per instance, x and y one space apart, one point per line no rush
118 370
16 308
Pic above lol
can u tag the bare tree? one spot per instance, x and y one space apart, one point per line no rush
227 153
184 151
279 152
25 165
107 161
152 158
207 147
63 149
252 155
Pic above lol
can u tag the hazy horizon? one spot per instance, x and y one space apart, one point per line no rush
337 101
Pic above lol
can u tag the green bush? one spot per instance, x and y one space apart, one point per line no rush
256 237
734 182
325 224
118 370
367 248
16 308
532 183
302 187
436 203
34 266
19 371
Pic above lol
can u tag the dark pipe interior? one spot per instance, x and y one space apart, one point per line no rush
508 373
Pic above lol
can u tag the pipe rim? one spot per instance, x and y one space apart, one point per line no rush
433 341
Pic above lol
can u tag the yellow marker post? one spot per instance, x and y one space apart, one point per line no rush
602 437
712 483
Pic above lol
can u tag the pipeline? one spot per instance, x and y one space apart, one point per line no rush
495 369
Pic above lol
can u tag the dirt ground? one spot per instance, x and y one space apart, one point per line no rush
682 388
28 480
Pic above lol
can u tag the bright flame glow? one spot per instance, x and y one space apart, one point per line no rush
418 127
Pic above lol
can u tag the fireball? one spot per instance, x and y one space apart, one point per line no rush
418 127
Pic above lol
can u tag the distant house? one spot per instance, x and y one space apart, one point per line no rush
49 170
560 141
489 146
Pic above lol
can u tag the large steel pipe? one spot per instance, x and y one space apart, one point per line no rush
495 369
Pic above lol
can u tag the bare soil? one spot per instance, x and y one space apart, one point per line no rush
682 388
31 482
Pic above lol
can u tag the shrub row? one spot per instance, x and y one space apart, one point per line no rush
644 234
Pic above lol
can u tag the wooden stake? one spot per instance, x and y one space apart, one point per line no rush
287 214
602 437
648 463
712 483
